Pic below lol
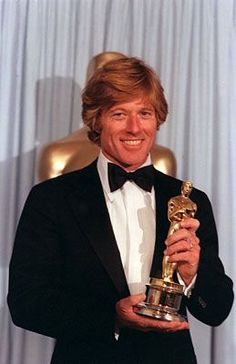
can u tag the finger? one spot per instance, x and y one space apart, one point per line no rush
182 233
185 257
186 245
124 307
183 236
190 224
150 324
175 326
132 300
179 247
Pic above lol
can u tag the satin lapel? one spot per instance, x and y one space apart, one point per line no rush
89 207
162 224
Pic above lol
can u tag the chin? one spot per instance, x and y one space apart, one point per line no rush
129 163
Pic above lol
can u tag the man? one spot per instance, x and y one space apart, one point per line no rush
86 244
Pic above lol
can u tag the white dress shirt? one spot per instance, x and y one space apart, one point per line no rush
133 217
132 214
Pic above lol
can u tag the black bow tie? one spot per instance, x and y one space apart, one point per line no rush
143 177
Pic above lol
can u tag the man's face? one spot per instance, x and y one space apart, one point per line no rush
128 132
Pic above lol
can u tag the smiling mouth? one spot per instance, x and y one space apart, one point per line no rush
132 142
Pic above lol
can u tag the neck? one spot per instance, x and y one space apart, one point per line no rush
129 168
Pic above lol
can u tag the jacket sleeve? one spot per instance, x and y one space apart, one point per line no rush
212 297
39 297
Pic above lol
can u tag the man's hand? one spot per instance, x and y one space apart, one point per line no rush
126 317
183 248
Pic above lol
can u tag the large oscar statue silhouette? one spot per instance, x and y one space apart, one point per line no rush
76 151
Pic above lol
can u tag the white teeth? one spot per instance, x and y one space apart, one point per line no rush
132 142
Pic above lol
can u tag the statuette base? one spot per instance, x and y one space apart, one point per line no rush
163 301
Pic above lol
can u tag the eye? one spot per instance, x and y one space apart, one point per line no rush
118 115
146 114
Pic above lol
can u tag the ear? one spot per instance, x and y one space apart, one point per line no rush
96 125
95 131
158 123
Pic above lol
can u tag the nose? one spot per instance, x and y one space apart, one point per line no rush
133 124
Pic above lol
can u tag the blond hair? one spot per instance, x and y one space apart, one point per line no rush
121 81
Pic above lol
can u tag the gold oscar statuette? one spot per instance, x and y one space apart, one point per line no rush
163 294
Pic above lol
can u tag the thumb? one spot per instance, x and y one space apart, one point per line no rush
134 299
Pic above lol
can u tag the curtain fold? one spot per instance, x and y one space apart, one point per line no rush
45 49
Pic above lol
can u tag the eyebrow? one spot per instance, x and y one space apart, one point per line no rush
114 108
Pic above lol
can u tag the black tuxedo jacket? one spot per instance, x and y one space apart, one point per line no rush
66 274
